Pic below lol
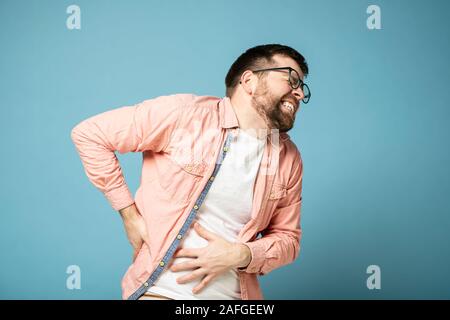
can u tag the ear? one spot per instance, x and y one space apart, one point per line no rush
248 82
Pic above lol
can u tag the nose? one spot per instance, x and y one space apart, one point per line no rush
298 93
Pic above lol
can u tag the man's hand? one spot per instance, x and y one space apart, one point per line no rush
217 257
135 228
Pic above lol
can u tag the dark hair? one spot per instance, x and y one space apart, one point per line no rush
257 57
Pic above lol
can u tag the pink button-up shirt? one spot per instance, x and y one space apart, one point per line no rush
181 137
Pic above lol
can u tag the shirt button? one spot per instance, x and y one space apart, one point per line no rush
196 207
179 236
146 284
225 149
161 263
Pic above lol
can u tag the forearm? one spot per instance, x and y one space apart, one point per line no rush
96 148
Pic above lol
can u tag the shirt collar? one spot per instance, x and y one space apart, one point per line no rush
228 117
229 120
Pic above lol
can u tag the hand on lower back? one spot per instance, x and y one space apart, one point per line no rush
135 228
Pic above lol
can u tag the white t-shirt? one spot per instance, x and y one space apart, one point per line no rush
225 211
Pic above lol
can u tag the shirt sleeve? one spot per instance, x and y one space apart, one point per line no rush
280 241
145 126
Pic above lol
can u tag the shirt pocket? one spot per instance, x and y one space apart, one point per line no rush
277 193
195 169
180 181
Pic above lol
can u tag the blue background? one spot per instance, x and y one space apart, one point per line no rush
373 137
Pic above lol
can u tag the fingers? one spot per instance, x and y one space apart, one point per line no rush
180 252
189 253
192 276
205 281
169 265
142 228
137 249
188 265
203 232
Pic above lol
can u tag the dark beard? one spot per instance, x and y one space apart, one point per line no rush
269 108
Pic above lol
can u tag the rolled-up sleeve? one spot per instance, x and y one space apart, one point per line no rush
280 241
144 126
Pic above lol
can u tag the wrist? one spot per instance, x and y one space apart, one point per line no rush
244 256
128 212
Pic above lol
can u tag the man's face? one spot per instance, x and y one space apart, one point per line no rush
274 99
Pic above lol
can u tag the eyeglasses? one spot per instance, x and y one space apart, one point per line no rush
294 81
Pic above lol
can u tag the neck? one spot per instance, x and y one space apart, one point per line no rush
249 119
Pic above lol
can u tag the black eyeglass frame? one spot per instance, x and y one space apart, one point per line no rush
301 84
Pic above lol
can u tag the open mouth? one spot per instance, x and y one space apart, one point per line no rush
288 106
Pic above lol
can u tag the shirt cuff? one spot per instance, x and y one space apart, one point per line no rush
258 253
120 198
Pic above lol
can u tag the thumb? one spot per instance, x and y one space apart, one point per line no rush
136 251
143 232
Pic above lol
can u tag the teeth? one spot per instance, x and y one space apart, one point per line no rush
288 105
